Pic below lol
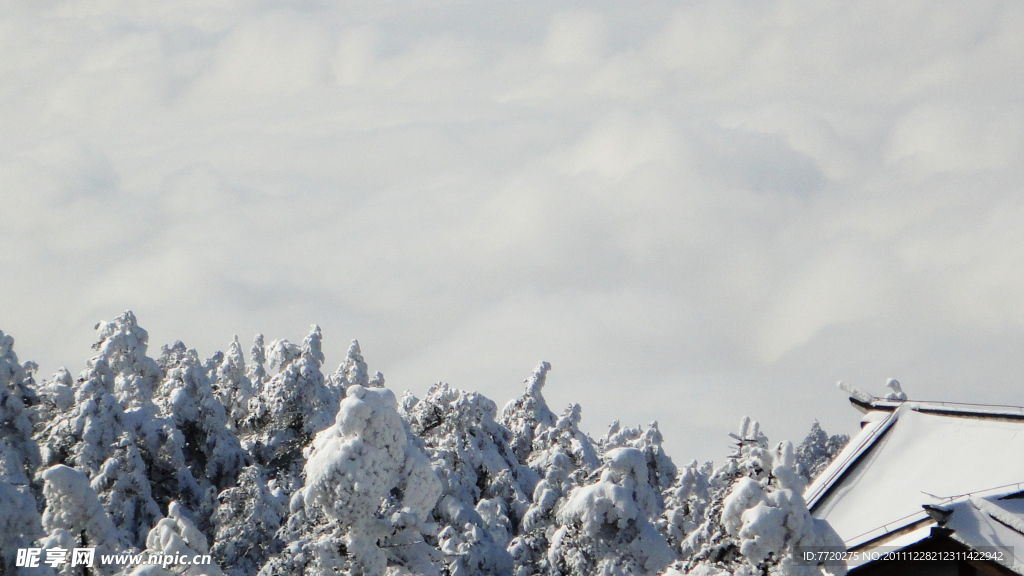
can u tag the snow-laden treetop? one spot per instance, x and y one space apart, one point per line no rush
275 468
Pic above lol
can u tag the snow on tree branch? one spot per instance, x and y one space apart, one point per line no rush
293 472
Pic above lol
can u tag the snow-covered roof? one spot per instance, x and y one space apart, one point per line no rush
908 454
996 521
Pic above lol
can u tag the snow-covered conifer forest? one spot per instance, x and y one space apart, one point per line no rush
277 466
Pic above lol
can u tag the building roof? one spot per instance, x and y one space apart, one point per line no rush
994 521
962 458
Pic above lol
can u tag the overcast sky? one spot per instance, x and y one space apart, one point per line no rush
694 210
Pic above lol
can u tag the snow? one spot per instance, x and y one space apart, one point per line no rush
122 347
177 534
19 455
358 465
72 507
897 393
909 456
295 473
233 387
995 520
854 392
606 525
470 452
529 414
246 518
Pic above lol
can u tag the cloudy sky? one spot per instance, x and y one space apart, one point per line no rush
695 210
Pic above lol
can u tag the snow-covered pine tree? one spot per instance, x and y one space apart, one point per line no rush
245 521
84 433
211 364
19 457
293 406
177 535
256 372
686 503
121 482
486 489
818 450
661 469
566 438
376 381
526 415
212 455
565 457
757 516
648 547
232 386
91 431
125 490
750 458
374 487
606 526
55 396
74 518
122 345
352 371
558 452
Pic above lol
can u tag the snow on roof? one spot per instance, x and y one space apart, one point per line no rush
913 453
994 521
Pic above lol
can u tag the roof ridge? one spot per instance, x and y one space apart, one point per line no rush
967 407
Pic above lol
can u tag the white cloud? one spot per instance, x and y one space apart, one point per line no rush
722 206
575 38
945 136
276 56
